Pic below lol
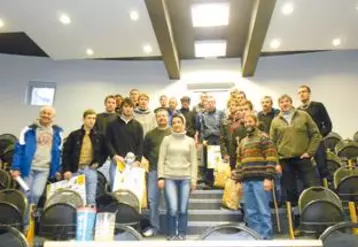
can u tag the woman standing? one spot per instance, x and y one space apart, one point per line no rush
177 174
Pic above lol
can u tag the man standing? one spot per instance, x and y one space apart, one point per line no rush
320 116
151 146
297 138
268 113
210 134
84 151
124 134
38 154
133 95
143 115
163 100
108 116
189 116
200 107
172 110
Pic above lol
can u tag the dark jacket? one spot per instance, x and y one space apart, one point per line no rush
125 137
226 130
72 149
266 118
102 121
320 116
189 121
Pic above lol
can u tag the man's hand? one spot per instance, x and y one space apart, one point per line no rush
67 175
238 188
305 156
118 158
136 164
267 185
15 174
94 165
193 186
278 169
205 143
226 158
161 184
58 176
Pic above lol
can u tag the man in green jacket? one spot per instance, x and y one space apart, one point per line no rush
297 138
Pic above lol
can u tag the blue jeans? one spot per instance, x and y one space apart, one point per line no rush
177 198
36 181
154 199
91 184
257 209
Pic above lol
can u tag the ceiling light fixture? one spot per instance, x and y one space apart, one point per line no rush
89 52
2 23
210 14
65 19
287 8
134 15
147 49
336 42
275 44
210 48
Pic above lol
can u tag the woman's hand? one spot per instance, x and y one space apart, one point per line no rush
161 184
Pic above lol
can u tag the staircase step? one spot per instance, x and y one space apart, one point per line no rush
215 215
207 194
199 227
204 203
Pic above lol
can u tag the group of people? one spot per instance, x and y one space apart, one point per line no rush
258 146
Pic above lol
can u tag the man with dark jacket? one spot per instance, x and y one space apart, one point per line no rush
104 118
320 116
124 135
84 151
189 116
268 113
297 138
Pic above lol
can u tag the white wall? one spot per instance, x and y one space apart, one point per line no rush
333 77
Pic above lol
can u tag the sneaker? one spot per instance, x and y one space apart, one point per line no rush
150 232
171 238
181 237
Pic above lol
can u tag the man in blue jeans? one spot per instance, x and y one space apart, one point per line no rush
151 146
84 151
37 155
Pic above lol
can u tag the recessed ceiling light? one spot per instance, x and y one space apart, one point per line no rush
134 15
2 23
287 8
336 42
65 19
148 49
210 14
89 52
275 44
210 48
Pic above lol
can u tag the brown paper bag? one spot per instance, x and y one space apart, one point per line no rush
231 199
222 174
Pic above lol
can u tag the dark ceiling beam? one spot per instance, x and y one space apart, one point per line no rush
159 16
260 21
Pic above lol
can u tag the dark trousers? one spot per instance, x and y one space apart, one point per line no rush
296 168
209 173
320 158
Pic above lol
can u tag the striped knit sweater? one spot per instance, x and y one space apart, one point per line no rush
256 158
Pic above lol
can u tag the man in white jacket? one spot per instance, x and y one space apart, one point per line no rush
144 115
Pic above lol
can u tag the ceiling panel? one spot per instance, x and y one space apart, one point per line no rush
103 26
313 25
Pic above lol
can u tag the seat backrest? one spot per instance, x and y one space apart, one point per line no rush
127 197
12 237
347 149
58 222
344 172
67 196
10 215
15 197
229 232
331 140
317 193
126 233
5 180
